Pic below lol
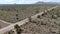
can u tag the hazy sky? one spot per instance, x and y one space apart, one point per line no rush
24 1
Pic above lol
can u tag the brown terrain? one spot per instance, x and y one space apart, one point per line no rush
2 25
44 24
47 23
14 14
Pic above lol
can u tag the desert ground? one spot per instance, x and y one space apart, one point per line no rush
17 13
47 23
2 25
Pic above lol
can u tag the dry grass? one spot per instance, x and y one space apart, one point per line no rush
9 13
45 25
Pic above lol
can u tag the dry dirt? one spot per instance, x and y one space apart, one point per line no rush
46 24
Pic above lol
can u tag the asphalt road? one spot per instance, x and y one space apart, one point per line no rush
10 27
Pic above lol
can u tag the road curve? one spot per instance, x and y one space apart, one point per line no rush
10 27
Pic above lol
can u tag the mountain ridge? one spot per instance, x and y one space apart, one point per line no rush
40 2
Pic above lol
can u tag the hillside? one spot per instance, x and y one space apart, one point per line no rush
47 23
15 13
48 3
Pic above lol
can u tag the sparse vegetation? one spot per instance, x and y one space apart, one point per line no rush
42 23
18 29
35 25
10 12
38 16
54 16
42 14
30 19
48 24
37 11
35 22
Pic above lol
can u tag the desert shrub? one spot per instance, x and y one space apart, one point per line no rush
35 22
42 14
58 24
59 31
45 13
52 10
54 16
1 14
42 23
18 29
8 10
58 14
17 17
48 11
30 19
38 16
2 9
53 32
37 11
9 33
16 26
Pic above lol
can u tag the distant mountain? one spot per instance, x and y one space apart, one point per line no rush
39 2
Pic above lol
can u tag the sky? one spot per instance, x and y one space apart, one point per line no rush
24 1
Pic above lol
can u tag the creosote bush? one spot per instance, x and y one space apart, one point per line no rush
42 23
34 22
42 14
37 11
30 19
54 16
18 29
38 16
